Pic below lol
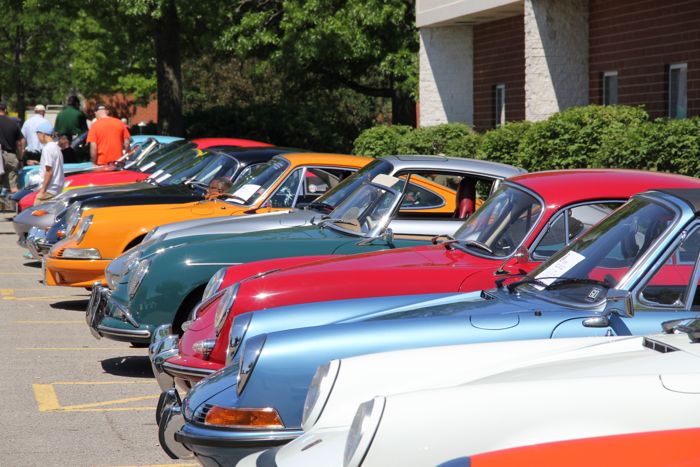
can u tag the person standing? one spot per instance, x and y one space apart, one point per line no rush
51 165
11 144
32 150
69 155
71 120
108 137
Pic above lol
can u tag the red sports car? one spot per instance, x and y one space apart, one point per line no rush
528 219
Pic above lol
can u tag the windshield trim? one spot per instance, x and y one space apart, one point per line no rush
535 224
379 227
642 267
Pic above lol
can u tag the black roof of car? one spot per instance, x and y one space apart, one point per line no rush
247 156
689 195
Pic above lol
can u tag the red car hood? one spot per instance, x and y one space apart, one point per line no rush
106 178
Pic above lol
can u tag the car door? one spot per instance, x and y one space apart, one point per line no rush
667 292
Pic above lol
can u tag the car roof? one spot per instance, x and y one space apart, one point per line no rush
240 142
689 195
565 186
310 158
458 164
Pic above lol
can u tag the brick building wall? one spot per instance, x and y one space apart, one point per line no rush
640 39
499 58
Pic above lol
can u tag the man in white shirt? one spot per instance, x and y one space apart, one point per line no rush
32 150
51 162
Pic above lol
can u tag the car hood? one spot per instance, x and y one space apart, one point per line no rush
148 194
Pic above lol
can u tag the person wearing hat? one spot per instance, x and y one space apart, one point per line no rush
32 150
108 137
11 144
71 120
51 165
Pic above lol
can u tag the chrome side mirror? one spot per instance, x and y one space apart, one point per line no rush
388 236
620 302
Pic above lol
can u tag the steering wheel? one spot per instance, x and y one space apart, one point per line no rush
286 196
505 243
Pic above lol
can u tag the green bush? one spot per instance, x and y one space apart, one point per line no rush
572 138
502 144
380 140
451 139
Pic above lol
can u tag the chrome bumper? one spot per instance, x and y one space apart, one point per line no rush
37 242
171 421
163 346
101 305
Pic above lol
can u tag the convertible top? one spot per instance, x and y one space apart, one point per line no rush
689 195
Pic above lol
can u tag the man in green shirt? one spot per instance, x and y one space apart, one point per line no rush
71 120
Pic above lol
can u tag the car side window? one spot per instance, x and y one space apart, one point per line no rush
318 181
569 224
286 192
670 283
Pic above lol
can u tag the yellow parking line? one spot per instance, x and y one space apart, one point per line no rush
158 465
39 321
52 349
112 402
80 383
46 397
47 400
46 298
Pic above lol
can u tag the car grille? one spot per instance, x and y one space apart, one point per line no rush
658 346
201 413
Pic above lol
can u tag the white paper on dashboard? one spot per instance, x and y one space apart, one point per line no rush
559 268
164 178
147 166
245 192
156 173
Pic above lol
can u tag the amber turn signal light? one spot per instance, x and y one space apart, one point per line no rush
40 212
244 418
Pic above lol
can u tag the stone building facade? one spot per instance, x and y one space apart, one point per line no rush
485 62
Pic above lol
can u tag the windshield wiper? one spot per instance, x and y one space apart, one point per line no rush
528 280
479 245
323 207
448 239
576 280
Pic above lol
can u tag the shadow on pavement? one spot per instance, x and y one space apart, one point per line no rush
133 367
72 305
33 264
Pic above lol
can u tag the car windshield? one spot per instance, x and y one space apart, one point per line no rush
599 259
329 200
220 166
149 164
139 152
368 207
502 223
255 180
199 170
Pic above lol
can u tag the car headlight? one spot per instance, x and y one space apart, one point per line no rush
364 427
72 217
249 358
84 226
214 283
319 390
224 307
137 276
238 330
81 253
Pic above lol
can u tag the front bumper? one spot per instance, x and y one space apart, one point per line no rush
189 370
170 420
75 272
216 447
163 346
37 242
108 318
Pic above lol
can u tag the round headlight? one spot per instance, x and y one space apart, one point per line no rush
238 330
214 283
84 226
137 276
250 354
362 431
72 217
319 390
224 307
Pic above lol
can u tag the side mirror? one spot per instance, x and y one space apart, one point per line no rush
388 236
521 255
620 302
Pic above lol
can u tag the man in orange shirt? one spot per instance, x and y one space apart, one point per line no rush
107 136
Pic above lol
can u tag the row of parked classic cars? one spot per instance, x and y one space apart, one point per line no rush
337 310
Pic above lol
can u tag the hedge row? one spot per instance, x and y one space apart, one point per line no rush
580 137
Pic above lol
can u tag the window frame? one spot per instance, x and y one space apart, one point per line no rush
499 111
671 68
606 75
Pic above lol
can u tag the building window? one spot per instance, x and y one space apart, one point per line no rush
678 90
610 88
500 101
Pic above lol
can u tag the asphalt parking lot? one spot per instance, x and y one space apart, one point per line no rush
68 399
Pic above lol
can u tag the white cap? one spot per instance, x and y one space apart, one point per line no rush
39 108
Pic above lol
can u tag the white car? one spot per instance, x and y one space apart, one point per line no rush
427 406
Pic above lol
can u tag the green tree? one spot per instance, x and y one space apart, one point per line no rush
368 46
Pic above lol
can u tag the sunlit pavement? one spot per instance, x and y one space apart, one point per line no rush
68 399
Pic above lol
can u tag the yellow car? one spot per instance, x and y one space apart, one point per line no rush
102 234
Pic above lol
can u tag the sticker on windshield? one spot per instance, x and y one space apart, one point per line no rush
559 268
245 192
147 166
385 180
